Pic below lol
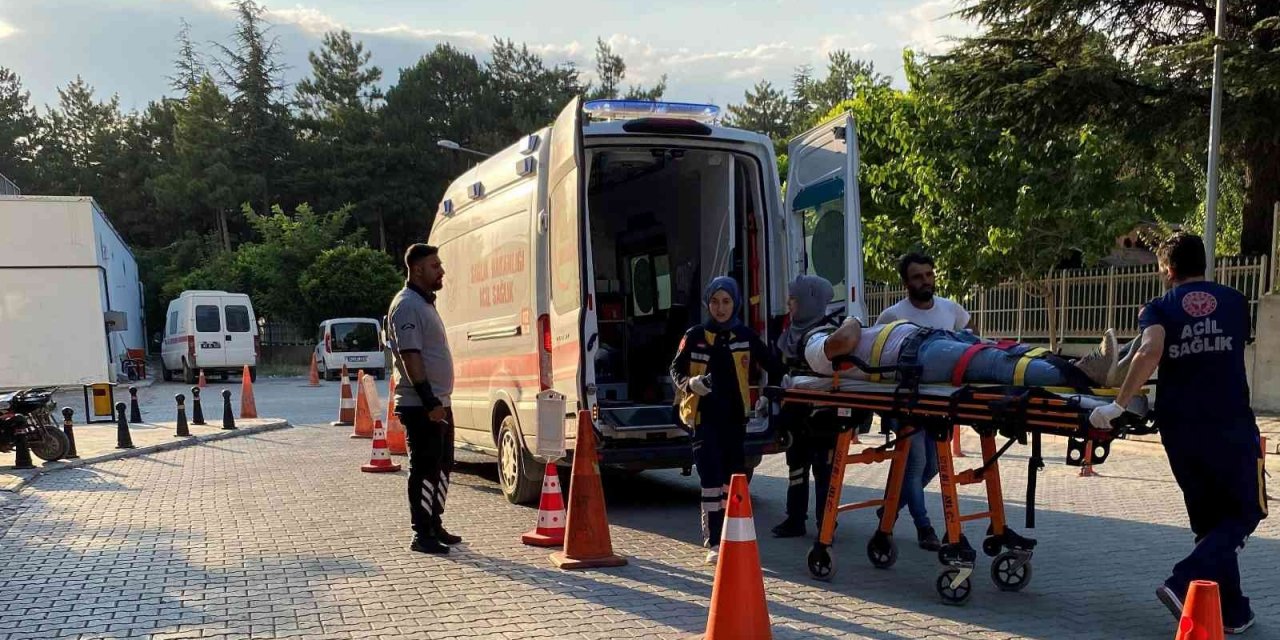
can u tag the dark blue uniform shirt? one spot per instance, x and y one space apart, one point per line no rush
1202 382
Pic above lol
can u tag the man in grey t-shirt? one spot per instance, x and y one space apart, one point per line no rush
423 383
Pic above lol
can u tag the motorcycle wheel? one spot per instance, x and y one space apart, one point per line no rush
51 445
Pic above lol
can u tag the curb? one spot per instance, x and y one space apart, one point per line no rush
60 465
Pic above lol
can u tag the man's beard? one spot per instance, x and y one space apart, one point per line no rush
437 285
923 294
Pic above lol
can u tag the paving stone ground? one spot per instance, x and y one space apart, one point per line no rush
280 535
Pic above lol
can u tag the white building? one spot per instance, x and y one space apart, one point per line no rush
70 295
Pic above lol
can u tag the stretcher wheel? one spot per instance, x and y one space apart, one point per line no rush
991 546
956 595
1011 571
821 563
882 551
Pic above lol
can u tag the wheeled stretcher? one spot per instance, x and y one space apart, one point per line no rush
1019 414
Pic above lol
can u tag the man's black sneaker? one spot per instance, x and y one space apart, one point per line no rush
428 545
1171 599
789 528
447 538
1236 627
928 539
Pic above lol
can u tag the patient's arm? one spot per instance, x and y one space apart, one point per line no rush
844 340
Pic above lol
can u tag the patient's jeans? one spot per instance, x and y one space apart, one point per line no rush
940 352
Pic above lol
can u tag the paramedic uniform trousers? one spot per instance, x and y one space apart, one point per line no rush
812 450
718 453
430 462
1222 483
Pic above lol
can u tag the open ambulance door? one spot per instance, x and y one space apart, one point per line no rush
571 316
825 217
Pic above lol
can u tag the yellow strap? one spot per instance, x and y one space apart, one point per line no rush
877 347
1020 371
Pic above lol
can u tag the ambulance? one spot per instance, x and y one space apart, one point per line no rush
576 260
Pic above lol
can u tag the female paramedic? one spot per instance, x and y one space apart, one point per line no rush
711 371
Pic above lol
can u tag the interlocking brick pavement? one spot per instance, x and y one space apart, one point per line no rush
280 535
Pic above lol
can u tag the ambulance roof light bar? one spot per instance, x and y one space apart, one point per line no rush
632 109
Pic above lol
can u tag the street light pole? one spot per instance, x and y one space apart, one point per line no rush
453 146
1215 135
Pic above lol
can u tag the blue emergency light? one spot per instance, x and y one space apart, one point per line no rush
632 109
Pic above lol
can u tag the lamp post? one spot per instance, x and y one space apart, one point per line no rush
1215 135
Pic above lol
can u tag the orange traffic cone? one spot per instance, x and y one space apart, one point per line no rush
248 407
1201 613
395 431
346 403
738 607
380 461
200 381
364 415
550 529
586 542
956 451
1086 470
313 379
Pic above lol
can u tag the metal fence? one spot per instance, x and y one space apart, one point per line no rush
280 333
8 188
1088 301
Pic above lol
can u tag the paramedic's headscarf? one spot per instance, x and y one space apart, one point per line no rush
729 286
812 294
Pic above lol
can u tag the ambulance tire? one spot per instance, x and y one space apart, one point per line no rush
165 373
188 374
514 466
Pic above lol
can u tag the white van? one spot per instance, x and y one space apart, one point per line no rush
577 258
214 331
353 342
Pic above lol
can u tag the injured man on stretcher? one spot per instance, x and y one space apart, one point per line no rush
957 358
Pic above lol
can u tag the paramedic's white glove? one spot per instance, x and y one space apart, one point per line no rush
700 385
787 381
1101 417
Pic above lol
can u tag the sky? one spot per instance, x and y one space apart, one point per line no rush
711 50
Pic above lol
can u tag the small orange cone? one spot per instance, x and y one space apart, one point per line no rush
1086 470
364 416
1201 613
586 542
200 381
550 529
248 407
956 451
346 403
738 607
380 461
314 375
395 431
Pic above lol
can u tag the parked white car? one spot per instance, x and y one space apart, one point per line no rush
354 342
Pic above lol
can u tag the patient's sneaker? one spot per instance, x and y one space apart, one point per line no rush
1100 364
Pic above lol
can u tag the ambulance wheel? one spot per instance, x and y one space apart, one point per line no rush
165 373
882 551
821 563
188 374
514 466
1008 575
956 595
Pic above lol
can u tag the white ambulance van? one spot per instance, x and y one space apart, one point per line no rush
577 257
213 331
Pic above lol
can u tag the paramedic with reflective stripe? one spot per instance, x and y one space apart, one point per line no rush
925 309
711 371
813 431
423 384
1196 334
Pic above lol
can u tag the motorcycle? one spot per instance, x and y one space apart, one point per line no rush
28 414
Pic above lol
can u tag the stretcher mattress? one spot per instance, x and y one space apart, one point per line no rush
1139 405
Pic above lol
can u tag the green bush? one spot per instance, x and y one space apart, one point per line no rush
348 282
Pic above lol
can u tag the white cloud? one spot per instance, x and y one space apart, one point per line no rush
7 29
929 28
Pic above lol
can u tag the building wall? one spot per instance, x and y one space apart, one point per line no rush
1265 379
121 287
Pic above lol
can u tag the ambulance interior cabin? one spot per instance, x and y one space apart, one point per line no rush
663 222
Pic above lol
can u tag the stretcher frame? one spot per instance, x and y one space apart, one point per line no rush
1018 413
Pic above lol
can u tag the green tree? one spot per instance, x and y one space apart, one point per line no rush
348 281
529 93
611 70
766 110
189 67
75 139
1140 68
846 78
18 127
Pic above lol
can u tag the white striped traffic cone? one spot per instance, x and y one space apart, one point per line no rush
380 461
550 529
346 404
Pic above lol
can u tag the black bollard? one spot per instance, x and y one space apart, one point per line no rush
123 439
67 413
135 413
197 412
22 451
183 430
228 420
